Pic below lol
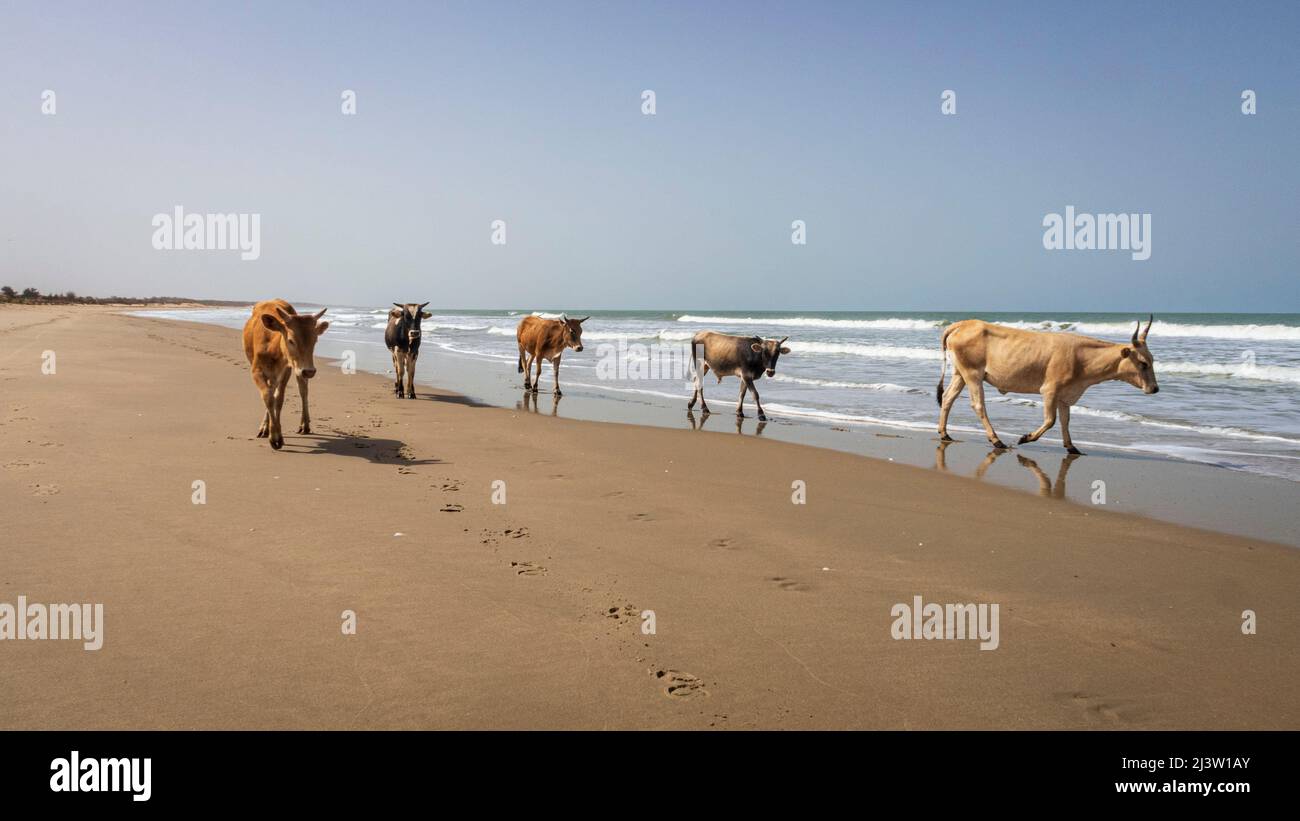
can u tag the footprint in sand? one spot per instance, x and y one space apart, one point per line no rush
724 544
21 465
789 585
452 508
613 494
44 490
1101 711
642 517
528 569
678 684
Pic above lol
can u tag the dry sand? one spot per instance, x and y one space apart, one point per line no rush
768 614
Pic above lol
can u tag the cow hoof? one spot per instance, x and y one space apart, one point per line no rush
276 444
304 428
558 392
534 389
1074 451
705 411
1023 439
997 443
410 396
762 418
261 434
945 438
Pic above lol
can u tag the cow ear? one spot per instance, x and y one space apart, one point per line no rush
755 347
322 327
395 312
425 314
785 350
272 323
1124 353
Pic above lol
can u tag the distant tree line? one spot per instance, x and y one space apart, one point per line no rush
32 296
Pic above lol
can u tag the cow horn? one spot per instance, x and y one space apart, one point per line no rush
320 314
564 317
782 342
422 304
1136 327
584 319
398 305
1150 318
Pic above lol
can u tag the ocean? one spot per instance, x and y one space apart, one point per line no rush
1229 383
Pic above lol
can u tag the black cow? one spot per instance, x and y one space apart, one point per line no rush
402 336
748 357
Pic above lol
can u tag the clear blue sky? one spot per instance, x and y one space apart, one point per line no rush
767 113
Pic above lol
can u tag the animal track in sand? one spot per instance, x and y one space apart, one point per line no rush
528 569
789 585
449 508
724 543
627 611
678 684
44 490
450 486
613 494
1099 710
642 517
21 465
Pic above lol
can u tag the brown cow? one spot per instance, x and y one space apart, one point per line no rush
279 342
1059 366
546 339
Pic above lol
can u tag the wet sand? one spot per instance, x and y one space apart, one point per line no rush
767 614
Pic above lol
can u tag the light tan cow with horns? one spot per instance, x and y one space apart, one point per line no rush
279 342
1058 366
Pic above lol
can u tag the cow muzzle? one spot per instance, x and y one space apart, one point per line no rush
1152 389
307 373
578 349
771 372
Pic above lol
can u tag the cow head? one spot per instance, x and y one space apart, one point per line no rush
572 331
1136 365
770 350
300 332
408 318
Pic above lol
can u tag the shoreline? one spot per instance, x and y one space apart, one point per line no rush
529 614
1153 485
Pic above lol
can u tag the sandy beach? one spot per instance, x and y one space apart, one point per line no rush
528 614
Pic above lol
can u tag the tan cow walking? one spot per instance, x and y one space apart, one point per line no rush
546 339
279 342
1058 366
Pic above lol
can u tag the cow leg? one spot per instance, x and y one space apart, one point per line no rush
699 389
305 425
1064 411
527 369
537 377
949 399
268 395
556 362
740 406
397 369
762 417
410 375
1049 419
277 403
977 402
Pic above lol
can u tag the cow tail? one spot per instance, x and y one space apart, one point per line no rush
521 359
695 367
943 367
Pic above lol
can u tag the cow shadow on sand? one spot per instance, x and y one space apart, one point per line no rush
1046 486
375 449
740 421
